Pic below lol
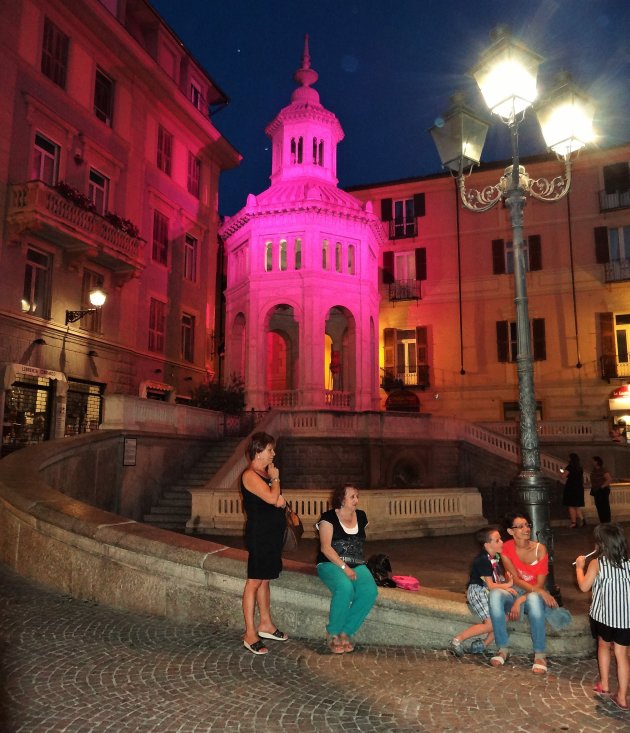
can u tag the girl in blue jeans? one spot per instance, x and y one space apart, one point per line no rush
527 563
341 567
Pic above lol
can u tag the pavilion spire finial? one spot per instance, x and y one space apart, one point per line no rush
305 76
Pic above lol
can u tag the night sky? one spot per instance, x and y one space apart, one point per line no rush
387 69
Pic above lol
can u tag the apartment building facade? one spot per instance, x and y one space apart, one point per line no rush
109 174
447 332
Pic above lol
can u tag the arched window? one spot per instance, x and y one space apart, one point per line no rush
293 150
321 153
351 266
268 256
299 150
325 254
314 151
298 254
283 254
338 253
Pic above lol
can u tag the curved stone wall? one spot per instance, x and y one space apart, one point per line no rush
96 555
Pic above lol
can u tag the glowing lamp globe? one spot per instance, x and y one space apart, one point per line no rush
459 137
566 119
97 297
506 75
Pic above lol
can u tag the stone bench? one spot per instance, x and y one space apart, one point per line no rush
95 555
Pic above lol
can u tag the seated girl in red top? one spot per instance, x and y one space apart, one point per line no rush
527 562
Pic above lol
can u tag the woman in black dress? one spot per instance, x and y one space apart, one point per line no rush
573 494
264 505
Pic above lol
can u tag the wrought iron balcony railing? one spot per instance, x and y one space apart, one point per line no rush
615 367
37 207
617 271
405 290
612 201
397 379
403 228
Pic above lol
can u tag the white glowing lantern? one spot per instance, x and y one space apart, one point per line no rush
566 119
97 297
506 75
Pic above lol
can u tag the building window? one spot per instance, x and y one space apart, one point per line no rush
37 277
268 256
298 254
84 407
406 357
55 54
103 97
351 262
338 257
164 150
402 215
188 337
98 190
325 254
503 255
296 150
190 258
157 325
282 254
403 273
507 341
91 281
160 238
194 174
622 337
195 95
45 160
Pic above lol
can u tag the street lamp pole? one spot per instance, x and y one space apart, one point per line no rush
506 75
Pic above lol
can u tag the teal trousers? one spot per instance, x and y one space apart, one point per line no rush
351 600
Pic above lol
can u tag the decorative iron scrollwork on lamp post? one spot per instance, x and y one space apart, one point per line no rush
506 75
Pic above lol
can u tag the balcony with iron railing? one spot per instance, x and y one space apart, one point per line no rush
617 271
400 378
39 208
405 290
403 228
612 201
615 367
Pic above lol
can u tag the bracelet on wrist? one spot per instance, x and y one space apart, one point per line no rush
343 566
275 479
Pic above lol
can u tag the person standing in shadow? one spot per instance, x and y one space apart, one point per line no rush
600 489
573 493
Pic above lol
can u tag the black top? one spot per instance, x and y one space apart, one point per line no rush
483 566
349 547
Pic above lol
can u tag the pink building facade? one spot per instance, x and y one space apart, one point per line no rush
302 298
109 173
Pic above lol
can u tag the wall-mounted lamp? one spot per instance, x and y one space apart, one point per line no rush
92 354
187 379
157 371
39 342
97 298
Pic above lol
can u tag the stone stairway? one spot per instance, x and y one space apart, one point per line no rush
172 510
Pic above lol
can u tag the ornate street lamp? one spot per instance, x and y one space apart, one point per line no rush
506 76
97 299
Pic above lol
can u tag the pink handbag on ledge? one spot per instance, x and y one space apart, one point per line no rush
406 582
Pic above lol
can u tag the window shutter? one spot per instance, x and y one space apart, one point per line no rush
422 358
538 332
389 347
535 252
388 267
503 343
498 257
607 345
601 245
386 210
421 263
418 204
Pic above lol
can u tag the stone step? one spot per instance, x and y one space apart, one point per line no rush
174 510
177 501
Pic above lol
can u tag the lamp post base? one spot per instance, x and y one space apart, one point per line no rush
533 492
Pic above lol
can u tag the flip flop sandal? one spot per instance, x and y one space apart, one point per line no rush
539 667
335 645
347 644
277 635
599 690
258 647
614 701
499 660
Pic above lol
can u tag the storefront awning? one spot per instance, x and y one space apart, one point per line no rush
11 372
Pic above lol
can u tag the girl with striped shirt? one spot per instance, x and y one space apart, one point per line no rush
609 576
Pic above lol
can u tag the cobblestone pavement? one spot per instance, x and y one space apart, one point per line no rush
70 666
